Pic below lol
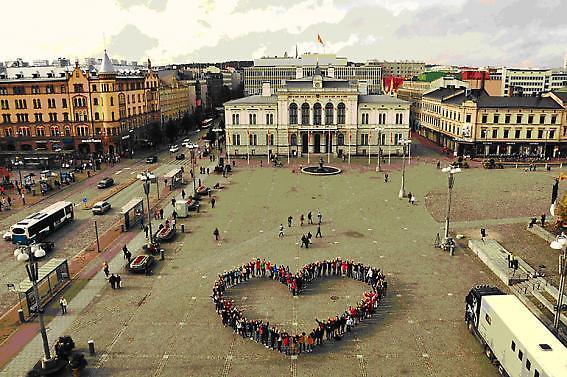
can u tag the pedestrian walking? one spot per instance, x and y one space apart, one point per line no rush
438 164
207 170
482 234
319 217
216 233
118 281
174 214
543 219
146 230
281 234
63 304
105 269
386 176
173 202
309 218
318 234
412 200
213 201
161 213
289 220
301 219
112 280
409 197
23 199
124 250
183 194
128 256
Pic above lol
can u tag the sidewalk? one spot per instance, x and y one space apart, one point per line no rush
33 350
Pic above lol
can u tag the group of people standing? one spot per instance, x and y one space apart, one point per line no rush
279 339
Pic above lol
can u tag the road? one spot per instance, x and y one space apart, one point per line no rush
74 237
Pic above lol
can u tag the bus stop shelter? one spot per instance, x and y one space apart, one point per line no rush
53 276
133 213
174 178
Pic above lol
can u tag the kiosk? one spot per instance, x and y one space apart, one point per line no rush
133 213
53 276
174 178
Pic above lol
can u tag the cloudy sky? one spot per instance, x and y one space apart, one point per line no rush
525 33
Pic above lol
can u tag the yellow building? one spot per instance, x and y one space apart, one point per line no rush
99 111
470 122
174 97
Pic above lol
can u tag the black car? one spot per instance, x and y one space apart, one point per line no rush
180 156
151 159
105 182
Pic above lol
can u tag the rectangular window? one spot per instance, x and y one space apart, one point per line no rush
513 346
520 355
542 119
528 134
487 317
64 103
506 134
517 134
495 133
553 119
536 373
551 134
528 363
496 118
540 134
484 118
530 119
519 118
507 119
468 118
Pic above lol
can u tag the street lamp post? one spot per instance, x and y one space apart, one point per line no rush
32 269
147 192
451 171
402 193
379 162
560 244
192 149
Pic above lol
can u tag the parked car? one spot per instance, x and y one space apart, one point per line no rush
141 262
100 208
151 159
180 156
105 183
174 148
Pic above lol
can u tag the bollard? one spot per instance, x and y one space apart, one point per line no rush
182 228
21 316
91 347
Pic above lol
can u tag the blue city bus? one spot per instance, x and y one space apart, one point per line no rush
39 225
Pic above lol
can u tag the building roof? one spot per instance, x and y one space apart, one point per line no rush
389 100
442 93
106 66
517 102
254 100
561 94
307 82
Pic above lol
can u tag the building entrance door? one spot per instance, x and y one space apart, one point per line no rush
329 143
304 143
317 143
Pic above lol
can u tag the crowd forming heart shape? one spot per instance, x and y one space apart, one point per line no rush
278 339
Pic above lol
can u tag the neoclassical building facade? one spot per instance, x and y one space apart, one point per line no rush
316 115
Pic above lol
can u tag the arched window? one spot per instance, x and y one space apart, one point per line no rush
329 113
40 131
305 113
293 139
54 130
317 113
341 113
293 113
341 139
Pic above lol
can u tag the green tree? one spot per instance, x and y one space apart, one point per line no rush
155 135
171 130
561 209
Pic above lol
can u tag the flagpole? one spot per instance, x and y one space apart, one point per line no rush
349 144
329 146
248 146
268 142
288 145
227 148
308 143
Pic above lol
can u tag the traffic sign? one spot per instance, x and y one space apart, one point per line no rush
85 199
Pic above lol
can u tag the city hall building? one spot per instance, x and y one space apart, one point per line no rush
316 115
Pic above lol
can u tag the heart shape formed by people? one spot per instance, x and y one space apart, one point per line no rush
280 340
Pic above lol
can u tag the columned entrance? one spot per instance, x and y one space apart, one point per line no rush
317 143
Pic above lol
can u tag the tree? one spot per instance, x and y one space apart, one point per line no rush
171 130
155 135
561 209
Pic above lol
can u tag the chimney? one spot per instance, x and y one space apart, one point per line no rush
266 89
362 87
482 80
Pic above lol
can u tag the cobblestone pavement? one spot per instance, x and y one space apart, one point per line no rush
165 325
